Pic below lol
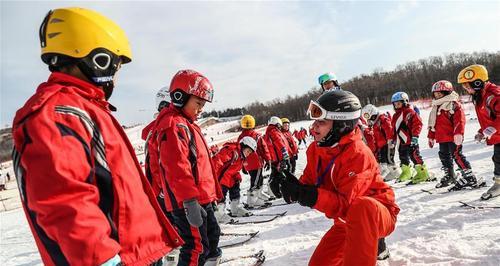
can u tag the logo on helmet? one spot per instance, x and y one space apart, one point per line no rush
469 74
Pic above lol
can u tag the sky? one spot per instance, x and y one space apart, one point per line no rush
250 51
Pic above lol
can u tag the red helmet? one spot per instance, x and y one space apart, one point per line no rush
189 82
442 85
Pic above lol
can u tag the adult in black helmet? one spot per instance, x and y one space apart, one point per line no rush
342 180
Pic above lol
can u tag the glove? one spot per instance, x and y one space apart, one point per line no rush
267 165
308 195
414 141
390 144
244 171
431 142
194 212
296 157
458 139
290 187
284 165
114 261
479 137
488 132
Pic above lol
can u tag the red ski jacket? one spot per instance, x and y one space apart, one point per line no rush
82 189
296 134
303 134
343 173
448 124
294 149
228 164
151 163
406 123
382 130
488 110
367 134
255 160
185 163
277 143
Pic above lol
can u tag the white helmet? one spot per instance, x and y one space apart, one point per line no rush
162 98
249 142
274 120
369 111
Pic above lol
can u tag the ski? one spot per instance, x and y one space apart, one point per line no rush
237 234
272 218
265 206
480 207
237 241
258 256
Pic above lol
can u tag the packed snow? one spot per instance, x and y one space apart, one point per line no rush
432 229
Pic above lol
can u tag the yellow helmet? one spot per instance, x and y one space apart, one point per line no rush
285 120
473 73
76 32
247 122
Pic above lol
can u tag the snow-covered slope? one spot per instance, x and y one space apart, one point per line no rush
431 229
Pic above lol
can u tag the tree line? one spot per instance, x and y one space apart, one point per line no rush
414 78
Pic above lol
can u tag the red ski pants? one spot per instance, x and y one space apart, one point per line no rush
354 242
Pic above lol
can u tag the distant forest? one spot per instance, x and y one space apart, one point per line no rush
415 78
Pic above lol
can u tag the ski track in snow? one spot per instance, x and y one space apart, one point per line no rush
431 229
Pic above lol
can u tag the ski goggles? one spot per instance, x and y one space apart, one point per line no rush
316 112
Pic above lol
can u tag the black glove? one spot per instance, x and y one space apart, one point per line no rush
290 187
296 157
244 171
285 165
308 195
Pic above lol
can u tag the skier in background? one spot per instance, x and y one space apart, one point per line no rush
486 98
294 149
446 127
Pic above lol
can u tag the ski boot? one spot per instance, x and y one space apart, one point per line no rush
494 191
220 214
237 210
215 261
468 180
405 173
383 251
394 172
384 169
448 178
422 174
263 195
253 200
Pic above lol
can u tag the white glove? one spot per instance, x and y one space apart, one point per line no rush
114 261
489 131
458 139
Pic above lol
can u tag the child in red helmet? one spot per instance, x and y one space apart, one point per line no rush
446 127
191 187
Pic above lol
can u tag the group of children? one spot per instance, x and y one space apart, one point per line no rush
74 162
446 127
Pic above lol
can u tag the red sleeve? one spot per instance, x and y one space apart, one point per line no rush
354 174
292 144
387 127
174 157
279 143
60 190
458 120
262 148
493 105
416 124
154 166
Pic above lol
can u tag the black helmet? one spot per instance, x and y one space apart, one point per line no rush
342 107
